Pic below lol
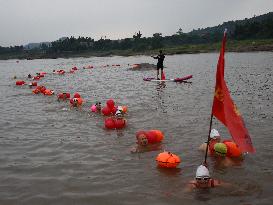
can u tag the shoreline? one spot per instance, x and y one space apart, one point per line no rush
232 46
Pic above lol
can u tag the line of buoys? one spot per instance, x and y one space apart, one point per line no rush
116 121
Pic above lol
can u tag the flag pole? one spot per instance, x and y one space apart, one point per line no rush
207 148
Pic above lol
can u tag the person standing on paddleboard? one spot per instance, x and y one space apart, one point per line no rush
160 57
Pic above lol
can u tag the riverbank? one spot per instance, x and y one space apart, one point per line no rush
232 46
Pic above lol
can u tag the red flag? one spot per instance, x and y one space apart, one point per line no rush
226 111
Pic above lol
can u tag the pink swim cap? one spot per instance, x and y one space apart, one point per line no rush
93 108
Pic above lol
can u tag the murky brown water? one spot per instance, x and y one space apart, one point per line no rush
50 154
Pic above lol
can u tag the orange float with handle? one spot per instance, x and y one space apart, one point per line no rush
167 160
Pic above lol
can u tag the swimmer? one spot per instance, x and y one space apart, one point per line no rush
143 145
76 102
31 84
29 76
203 180
147 148
98 106
214 138
63 96
120 120
119 114
221 158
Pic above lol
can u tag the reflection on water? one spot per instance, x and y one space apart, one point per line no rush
51 154
160 96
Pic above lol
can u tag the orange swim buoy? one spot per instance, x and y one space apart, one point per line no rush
20 82
63 96
80 101
106 111
77 95
124 108
48 92
36 91
34 83
110 104
120 123
159 135
109 123
36 78
167 160
232 149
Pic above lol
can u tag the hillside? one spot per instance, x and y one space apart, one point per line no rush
254 34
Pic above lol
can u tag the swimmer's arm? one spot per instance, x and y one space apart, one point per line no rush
203 147
189 187
221 183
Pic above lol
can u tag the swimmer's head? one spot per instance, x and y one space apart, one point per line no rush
142 140
202 172
118 114
220 149
75 100
214 134
98 105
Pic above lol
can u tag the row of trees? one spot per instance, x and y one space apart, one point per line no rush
255 28
11 49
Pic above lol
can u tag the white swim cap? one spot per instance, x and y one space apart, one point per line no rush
120 108
118 113
214 134
202 171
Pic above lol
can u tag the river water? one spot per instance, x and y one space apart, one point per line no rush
51 154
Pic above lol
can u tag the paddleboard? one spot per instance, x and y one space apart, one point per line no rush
183 79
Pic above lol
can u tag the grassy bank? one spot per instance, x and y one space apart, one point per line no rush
232 46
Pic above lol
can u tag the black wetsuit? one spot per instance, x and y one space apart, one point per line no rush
160 58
